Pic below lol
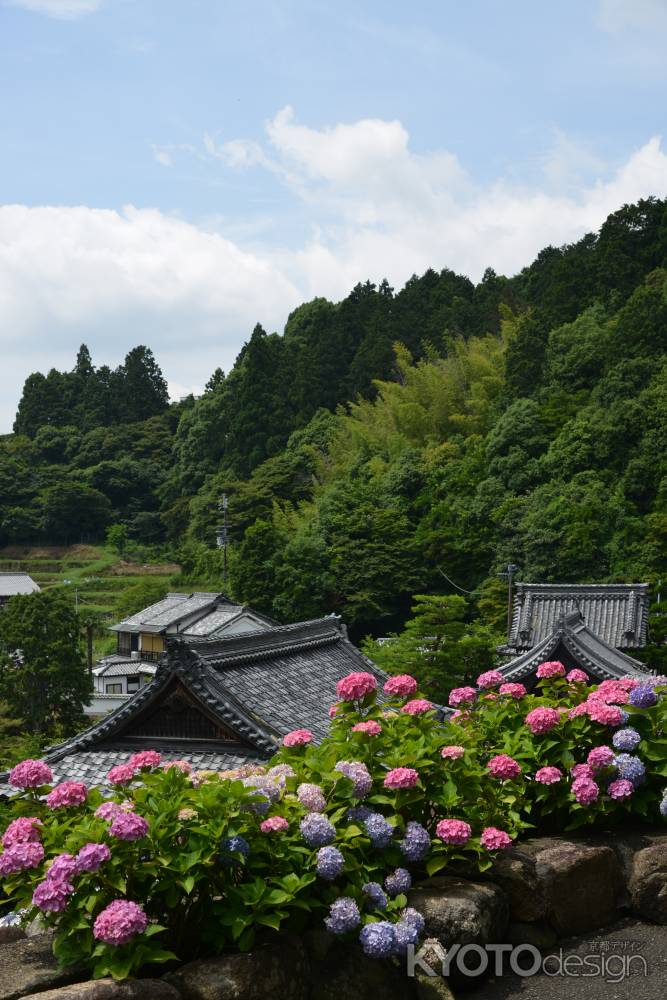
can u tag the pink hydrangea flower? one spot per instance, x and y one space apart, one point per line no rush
18 857
30 774
184 766
23 830
585 791
401 777
620 789
356 686
370 728
145 759
186 813
128 826
122 774
542 720
274 824
582 771
417 706
578 710
333 711
119 922
453 752
51 895
92 856
512 690
610 692
552 668
108 810
67 793
503 767
404 686
628 683
63 868
494 839
462 696
490 696
548 775
600 757
577 676
490 679
606 715
297 738
453 831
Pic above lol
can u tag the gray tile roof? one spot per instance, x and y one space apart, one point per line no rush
127 668
16 583
617 613
167 612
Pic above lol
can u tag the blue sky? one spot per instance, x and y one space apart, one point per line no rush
172 172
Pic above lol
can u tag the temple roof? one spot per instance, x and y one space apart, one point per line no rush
617 613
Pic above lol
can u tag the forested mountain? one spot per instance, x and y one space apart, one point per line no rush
386 442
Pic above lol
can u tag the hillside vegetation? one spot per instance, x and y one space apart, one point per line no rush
386 444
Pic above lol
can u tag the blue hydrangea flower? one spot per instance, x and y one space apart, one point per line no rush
378 829
630 768
358 775
663 804
343 916
316 830
231 846
643 696
625 717
399 881
376 895
405 933
416 843
329 863
357 814
378 939
412 916
626 739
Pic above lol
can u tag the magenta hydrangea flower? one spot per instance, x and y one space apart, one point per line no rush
274 824
128 826
628 683
145 759
119 922
490 679
356 686
494 839
19 857
611 692
453 831
108 810
512 690
91 856
30 774
401 777
542 720
585 790
297 738
370 728
452 753
582 771
606 715
600 757
68 793
122 774
620 789
462 696
51 895
63 868
403 685
548 775
417 706
552 668
23 830
503 767
311 797
577 676
578 710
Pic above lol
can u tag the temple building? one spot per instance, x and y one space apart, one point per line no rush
589 626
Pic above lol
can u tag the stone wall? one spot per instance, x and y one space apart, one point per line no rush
536 893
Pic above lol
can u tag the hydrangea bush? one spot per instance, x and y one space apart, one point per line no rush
165 863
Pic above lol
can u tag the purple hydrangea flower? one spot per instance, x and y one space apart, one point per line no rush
626 739
358 775
630 768
416 843
91 856
643 696
405 933
316 830
376 895
330 863
379 830
400 880
343 916
625 717
63 867
311 797
378 939
357 814
231 846
128 826
51 895
412 916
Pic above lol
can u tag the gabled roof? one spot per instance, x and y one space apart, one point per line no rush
16 583
125 667
576 645
616 613
222 618
170 610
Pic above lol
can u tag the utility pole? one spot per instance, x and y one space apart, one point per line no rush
509 574
222 536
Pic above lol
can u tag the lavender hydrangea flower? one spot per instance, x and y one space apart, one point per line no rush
358 814
379 830
343 916
416 843
626 739
625 717
405 933
271 787
378 939
643 696
231 846
316 830
376 895
358 775
412 916
311 797
630 768
330 863
400 880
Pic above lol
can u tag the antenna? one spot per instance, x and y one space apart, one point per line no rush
222 536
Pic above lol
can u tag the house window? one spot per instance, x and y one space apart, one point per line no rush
124 646
132 683
114 688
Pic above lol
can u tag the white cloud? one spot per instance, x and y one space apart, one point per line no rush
63 9
617 16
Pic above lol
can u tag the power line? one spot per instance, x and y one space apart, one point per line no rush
462 589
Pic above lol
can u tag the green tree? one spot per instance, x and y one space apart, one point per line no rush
117 538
